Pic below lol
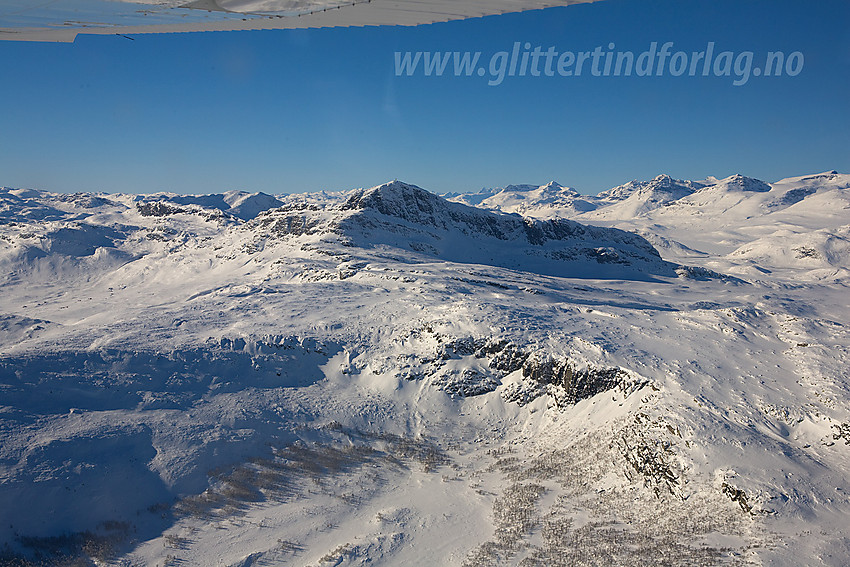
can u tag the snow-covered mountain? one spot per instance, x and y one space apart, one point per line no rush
397 216
385 377
639 197
522 199
715 218
236 203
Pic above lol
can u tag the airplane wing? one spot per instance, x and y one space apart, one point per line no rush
62 20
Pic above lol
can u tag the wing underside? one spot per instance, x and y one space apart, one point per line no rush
62 20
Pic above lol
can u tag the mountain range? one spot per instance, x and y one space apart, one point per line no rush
523 376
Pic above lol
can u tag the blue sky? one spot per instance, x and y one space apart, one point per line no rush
308 110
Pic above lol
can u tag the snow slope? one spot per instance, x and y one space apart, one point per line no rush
383 377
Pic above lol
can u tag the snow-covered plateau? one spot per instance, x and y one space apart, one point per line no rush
656 375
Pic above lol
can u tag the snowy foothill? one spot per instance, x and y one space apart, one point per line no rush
518 376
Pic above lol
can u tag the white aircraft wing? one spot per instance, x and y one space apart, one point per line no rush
62 20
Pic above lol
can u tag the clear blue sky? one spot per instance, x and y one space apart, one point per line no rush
307 110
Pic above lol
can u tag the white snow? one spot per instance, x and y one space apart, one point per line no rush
383 377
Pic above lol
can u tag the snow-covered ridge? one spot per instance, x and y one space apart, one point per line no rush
239 204
409 218
642 196
519 198
714 217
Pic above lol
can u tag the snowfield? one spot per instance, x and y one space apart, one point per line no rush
654 375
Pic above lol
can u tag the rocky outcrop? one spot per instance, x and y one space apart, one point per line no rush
741 183
566 384
492 359
157 209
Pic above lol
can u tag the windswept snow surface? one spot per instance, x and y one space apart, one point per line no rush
385 377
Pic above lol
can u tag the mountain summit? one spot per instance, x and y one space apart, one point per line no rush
406 217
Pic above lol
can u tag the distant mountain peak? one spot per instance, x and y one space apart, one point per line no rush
742 183
396 198
553 187
239 204
666 183
519 188
642 196
393 188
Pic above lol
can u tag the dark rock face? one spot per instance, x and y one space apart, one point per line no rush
469 382
571 386
796 195
587 383
288 223
537 232
542 373
413 204
157 209
748 184
737 495
509 358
